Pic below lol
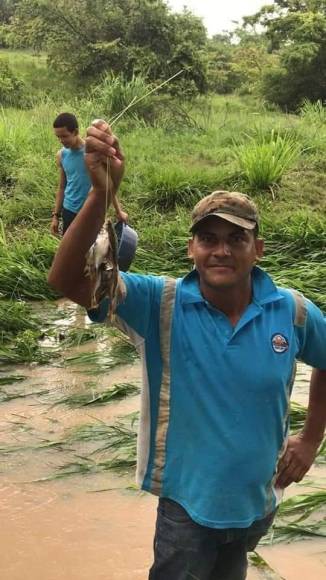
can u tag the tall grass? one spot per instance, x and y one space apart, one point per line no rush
24 261
170 166
115 93
264 159
313 113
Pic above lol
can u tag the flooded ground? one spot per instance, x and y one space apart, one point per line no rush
93 525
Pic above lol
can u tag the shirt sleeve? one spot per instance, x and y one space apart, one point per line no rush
140 306
312 337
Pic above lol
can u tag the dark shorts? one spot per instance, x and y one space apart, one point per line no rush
184 550
67 217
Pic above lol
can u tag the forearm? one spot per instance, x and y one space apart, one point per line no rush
58 201
314 427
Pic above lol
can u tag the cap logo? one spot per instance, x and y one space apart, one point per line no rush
280 343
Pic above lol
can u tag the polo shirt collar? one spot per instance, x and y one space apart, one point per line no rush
264 289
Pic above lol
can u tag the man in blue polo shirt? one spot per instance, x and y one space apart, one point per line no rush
219 349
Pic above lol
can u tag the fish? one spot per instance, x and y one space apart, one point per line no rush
102 269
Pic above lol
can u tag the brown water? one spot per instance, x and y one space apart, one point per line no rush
70 529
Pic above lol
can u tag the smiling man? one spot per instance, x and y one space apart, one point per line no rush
219 348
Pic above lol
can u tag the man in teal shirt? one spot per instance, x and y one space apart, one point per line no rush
74 178
218 349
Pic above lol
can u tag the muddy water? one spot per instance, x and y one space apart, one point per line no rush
91 526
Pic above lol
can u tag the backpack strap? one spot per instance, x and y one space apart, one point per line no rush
300 308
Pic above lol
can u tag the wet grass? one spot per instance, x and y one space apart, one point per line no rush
298 415
6 396
288 532
120 352
117 452
11 379
115 393
302 506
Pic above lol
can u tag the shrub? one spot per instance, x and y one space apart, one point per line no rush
12 89
313 113
115 93
264 159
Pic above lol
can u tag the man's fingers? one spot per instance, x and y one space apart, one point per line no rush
94 143
103 125
99 141
289 471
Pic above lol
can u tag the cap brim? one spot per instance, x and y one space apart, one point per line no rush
234 219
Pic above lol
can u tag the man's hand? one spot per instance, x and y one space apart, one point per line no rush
122 216
102 145
296 461
55 226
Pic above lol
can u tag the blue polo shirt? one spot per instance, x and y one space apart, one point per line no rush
215 398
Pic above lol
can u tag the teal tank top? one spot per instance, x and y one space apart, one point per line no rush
78 181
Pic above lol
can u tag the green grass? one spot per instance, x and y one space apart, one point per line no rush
11 379
117 452
176 154
97 362
115 393
302 506
264 159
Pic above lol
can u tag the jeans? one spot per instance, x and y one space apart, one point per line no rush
184 550
67 217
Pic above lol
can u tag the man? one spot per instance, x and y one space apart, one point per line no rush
219 349
74 179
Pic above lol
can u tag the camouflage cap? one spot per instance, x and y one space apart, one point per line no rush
232 206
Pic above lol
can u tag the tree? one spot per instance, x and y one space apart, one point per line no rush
222 78
296 32
7 9
87 38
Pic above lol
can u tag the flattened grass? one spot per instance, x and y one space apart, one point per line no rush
115 393
118 353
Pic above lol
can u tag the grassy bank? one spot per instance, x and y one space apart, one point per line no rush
176 153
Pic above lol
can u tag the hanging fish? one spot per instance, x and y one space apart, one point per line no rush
102 268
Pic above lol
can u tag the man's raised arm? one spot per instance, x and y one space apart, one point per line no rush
67 271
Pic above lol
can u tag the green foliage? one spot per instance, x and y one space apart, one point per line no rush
7 161
264 159
116 392
313 113
297 33
221 77
24 263
120 352
86 38
12 88
15 317
173 185
187 151
115 93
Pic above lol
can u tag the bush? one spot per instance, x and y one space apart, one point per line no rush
12 89
313 113
7 161
264 159
115 93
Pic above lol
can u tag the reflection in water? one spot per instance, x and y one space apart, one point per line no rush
67 529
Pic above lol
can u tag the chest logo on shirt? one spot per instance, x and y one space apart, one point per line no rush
280 343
